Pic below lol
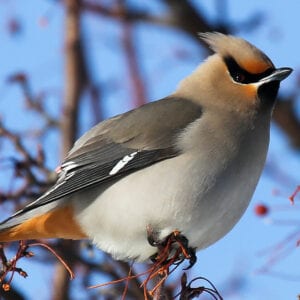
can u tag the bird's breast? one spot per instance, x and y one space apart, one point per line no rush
202 193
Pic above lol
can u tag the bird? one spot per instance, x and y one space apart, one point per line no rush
187 163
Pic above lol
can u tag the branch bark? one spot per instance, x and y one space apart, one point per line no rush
75 74
138 86
12 294
75 80
285 116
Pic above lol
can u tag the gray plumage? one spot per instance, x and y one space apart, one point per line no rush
189 162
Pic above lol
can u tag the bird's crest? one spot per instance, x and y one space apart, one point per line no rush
245 54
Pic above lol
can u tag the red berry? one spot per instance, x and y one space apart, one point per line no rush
6 287
261 210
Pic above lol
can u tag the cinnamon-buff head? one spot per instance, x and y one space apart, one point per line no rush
238 76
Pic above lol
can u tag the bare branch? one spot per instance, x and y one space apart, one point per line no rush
138 85
75 74
285 116
33 102
129 14
75 81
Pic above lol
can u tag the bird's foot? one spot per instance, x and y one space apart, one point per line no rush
174 248
172 251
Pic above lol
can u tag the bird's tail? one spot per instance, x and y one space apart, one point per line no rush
56 223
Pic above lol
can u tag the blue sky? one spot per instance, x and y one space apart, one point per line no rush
38 50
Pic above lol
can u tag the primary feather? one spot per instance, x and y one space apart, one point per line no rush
96 153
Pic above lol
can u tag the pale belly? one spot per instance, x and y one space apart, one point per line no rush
203 206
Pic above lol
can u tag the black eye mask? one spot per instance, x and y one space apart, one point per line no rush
242 76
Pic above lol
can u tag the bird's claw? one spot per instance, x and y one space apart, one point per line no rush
174 248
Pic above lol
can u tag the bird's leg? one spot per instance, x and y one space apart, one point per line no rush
175 248
172 251
152 237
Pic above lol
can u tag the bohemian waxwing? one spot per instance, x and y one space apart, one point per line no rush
189 162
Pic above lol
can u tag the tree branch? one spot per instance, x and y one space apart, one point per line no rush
285 116
75 80
75 74
138 86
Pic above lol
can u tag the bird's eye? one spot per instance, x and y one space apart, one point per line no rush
239 77
238 74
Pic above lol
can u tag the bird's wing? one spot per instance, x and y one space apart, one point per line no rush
121 145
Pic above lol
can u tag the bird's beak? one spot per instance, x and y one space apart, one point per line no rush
277 75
